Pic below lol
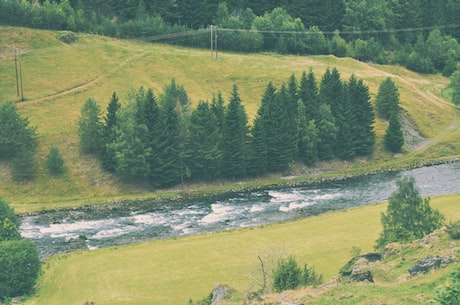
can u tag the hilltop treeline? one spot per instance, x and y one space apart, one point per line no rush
163 140
419 34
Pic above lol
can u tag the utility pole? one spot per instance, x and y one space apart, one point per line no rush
18 68
213 40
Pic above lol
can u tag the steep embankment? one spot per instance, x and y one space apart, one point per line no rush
59 77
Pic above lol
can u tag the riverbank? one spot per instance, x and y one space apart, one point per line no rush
325 172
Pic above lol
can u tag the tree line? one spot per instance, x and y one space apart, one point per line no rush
419 34
165 141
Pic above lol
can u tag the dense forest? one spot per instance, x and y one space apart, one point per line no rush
419 34
163 140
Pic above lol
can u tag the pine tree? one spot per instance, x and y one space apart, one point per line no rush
327 132
308 93
90 127
345 122
308 137
15 131
394 139
170 162
151 114
217 106
363 129
331 89
54 161
234 134
204 156
109 134
387 100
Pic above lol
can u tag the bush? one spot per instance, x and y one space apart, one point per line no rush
453 229
20 266
9 223
450 294
288 275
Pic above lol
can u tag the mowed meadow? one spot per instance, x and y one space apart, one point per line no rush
58 78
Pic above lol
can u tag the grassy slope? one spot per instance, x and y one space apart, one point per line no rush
58 78
172 271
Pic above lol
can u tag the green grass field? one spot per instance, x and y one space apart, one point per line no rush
58 78
175 270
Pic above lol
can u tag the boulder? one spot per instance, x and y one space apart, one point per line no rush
429 263
365 276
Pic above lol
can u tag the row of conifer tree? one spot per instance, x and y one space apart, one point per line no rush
163 140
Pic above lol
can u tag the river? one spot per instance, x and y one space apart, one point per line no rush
91 228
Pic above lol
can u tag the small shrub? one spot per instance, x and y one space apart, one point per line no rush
450 294
68 37
288 275
453 229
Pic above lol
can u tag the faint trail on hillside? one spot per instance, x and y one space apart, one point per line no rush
91 83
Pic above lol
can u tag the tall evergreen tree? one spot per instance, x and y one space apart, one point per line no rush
394 139
363 125
387 99
217 106
109 133
308 93
205 155
345 122
151 114
281 141
169 151
330 91
234 134
15 131
327 132
89 127
307 148
130 149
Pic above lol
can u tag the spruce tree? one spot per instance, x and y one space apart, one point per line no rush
327 132
308 93
331 89
234 134
54 161
169 158
89 127
151 114
308 137
109 134
363 127
204 156
15 131
345 122
387 100
394 139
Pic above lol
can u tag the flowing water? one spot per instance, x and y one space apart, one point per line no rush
62 231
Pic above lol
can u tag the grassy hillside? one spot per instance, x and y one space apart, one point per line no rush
58 78
173 271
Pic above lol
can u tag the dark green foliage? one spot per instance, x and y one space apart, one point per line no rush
387 100
89 127
308 94
394 139
307 144
205 155
15 131
450 293
20 267
169 146
362 128
54 161
24 165
408 216
234 136
289 275
109 133
455 85
346 122
453 229
9 223
327 132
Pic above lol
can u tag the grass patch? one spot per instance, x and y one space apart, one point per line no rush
175 270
